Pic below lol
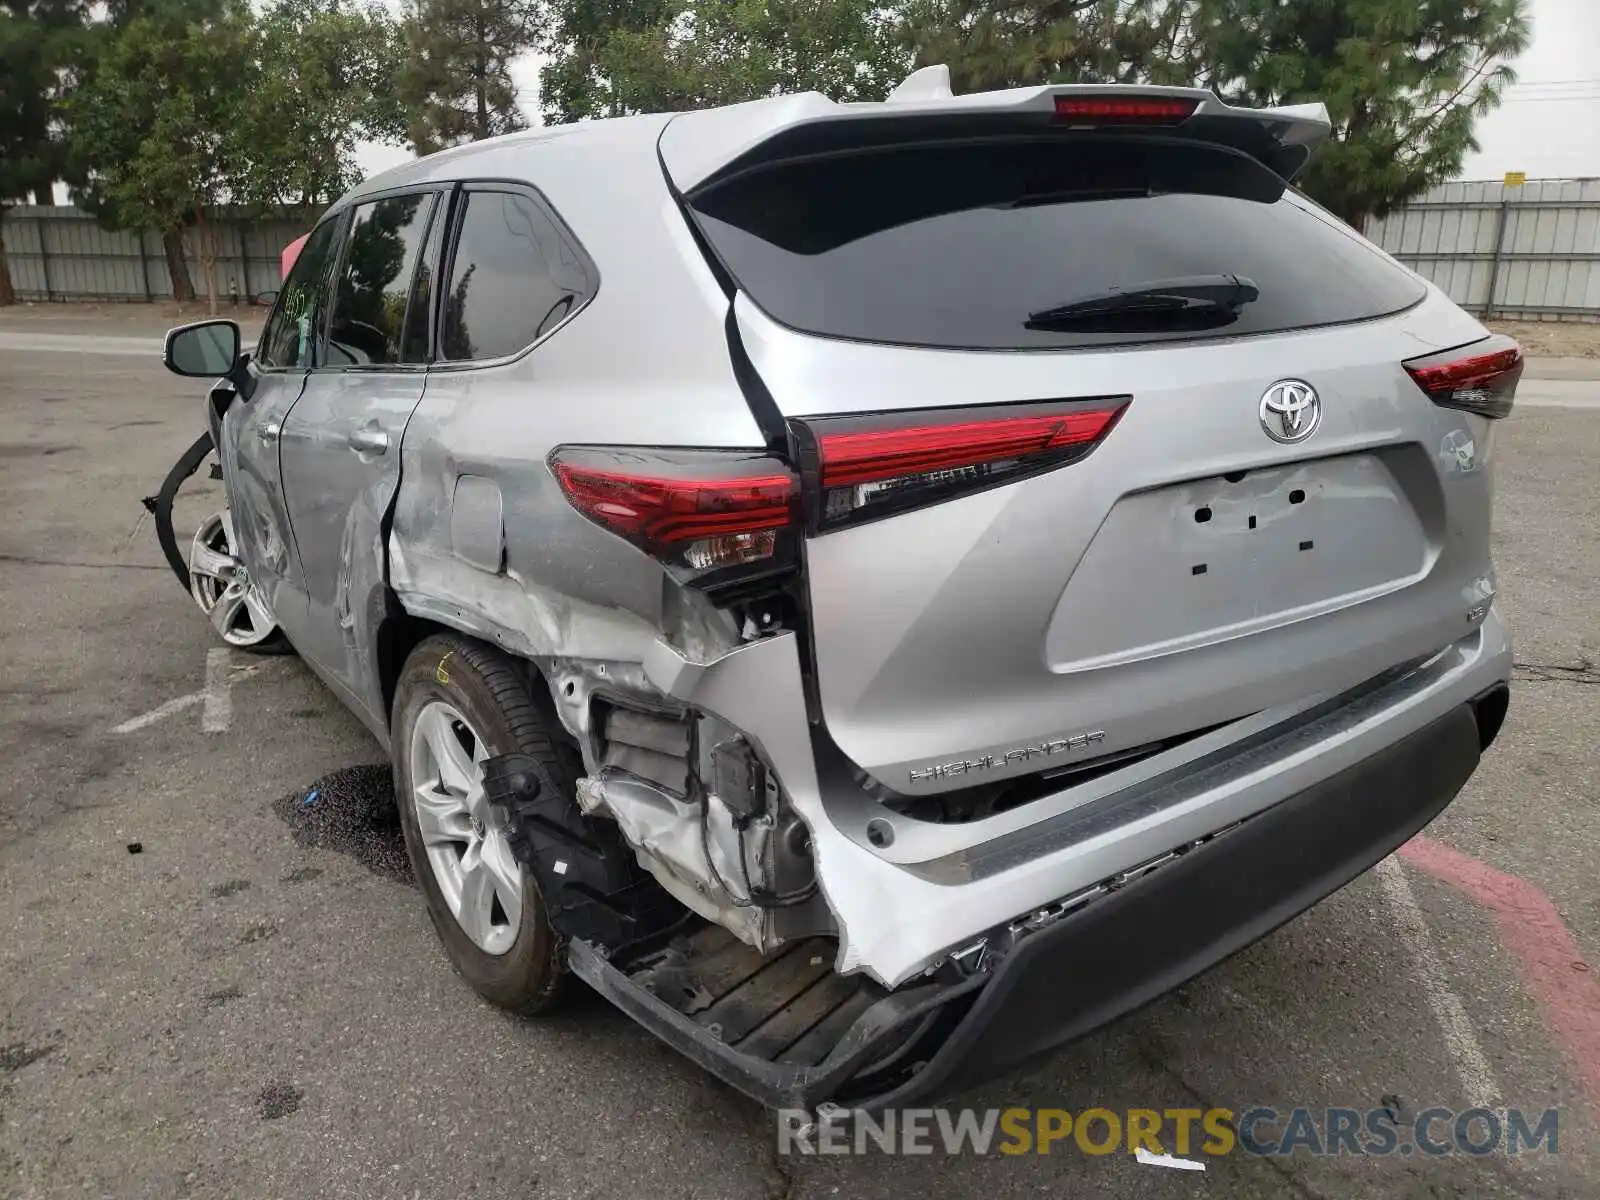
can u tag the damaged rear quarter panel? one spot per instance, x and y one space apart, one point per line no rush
644 363
563 587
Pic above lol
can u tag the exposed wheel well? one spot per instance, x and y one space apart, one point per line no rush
400 633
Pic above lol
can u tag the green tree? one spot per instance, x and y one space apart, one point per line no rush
325 77
990 44
573 38
173 17
151 122
608 58
1404 81
38 41
456 80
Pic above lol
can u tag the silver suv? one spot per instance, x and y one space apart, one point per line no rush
875 590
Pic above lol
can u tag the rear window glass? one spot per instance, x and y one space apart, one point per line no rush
956 245
514 277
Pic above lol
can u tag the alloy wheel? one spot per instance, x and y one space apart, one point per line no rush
466 846
221 586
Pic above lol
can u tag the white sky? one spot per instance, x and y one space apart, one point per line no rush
1535 130
1548 125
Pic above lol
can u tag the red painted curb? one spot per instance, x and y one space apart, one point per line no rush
1566 987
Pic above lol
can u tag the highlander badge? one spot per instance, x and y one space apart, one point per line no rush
988 762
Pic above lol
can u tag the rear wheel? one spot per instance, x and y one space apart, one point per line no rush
458 703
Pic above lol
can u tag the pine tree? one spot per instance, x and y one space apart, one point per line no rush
1404 81
991 44
456 81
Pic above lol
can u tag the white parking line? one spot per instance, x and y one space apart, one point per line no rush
81 343
159 713
1466 1053
1558 393
218 712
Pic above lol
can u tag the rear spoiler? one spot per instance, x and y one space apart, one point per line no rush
702 148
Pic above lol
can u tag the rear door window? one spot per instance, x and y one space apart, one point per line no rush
370 326
515 275
955 245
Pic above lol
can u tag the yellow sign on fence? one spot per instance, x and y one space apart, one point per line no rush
1516 178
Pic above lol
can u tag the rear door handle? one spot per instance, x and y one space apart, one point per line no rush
369 439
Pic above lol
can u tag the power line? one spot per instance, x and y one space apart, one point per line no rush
1576 98
1576 84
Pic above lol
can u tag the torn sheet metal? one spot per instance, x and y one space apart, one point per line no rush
674 838
505 609
900 912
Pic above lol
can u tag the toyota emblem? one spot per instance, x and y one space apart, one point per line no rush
1290 411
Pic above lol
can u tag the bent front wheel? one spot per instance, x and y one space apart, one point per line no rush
221 586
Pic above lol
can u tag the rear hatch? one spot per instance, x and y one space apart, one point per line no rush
1105 436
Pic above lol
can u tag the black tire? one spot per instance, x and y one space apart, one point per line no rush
492 693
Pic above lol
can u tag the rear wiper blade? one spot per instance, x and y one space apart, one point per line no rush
1187 294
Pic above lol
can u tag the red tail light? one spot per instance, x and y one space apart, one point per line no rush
1125 110
695 511
861 468
1480 378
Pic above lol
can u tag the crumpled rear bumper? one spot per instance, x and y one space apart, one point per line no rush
1141 941
905 902
1122 949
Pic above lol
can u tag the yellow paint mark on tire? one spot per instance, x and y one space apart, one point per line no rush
439 672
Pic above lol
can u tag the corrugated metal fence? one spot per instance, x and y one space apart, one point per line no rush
1528 252
1520 252
60 253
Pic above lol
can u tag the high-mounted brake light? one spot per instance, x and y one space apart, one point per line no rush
861 468
1480 378
695 511
1125 110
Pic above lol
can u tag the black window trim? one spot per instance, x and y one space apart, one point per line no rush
341 219
437 240
347 214
447 266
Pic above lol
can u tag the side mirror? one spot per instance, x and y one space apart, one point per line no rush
203 350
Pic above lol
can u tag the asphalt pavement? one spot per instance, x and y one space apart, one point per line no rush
215 983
